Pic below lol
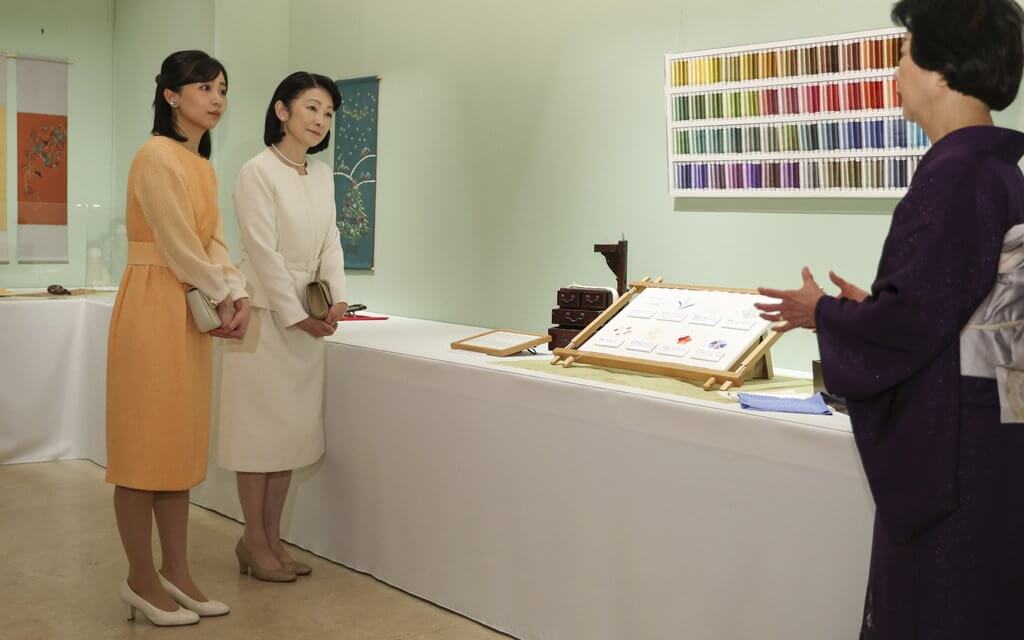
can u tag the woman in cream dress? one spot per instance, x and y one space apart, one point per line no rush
272 382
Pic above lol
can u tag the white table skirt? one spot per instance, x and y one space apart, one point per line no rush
559 509
53 355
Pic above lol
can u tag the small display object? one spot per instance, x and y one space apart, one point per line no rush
501 342
577 307
615 256
817 117
710 335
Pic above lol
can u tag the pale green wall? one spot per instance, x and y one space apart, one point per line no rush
515 135
248 36
145 32
117 47
251 40
81 32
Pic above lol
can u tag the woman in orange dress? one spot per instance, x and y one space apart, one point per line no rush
158 363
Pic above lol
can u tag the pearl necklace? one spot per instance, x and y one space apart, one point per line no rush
286 159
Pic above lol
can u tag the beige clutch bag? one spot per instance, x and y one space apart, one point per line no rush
318 298
204 312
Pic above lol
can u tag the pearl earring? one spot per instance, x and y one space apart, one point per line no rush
174 104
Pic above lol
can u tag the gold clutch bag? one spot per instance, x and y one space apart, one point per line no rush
318 298
204 312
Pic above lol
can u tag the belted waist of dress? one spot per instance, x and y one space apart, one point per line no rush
145 253
309 266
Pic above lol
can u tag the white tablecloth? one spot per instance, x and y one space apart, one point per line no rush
53 355
561 509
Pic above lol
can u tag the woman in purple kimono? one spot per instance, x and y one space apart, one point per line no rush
928 360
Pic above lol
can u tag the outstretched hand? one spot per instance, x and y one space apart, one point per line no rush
847 290
795 308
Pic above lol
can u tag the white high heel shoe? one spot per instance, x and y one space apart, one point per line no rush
178 618
208 609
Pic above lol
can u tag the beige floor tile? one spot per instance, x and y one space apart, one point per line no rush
53 626
463 629
61 565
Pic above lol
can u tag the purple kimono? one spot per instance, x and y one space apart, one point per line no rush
947 556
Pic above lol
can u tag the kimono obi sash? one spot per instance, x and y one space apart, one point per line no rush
992 342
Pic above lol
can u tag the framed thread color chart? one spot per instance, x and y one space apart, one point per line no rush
817 117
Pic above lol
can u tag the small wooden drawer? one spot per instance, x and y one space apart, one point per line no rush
578 318
569 298
561 337
595 299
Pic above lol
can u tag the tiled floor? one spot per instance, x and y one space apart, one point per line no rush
61 564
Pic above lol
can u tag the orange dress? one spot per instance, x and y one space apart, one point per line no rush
158 363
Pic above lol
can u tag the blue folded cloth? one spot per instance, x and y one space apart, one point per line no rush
813 405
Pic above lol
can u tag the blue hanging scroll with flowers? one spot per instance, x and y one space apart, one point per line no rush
355 169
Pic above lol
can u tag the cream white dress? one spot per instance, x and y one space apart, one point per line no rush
271 384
